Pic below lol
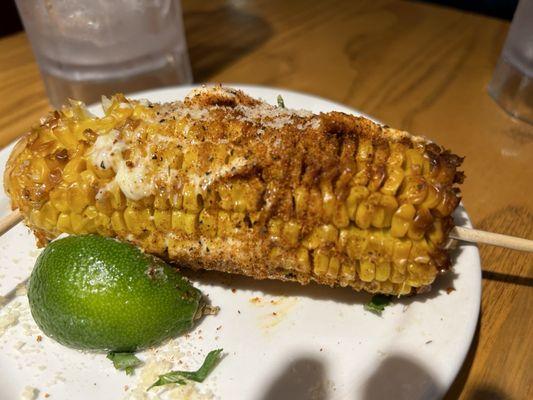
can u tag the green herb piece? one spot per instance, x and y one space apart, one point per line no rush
281 103
124 361
378 303
199 375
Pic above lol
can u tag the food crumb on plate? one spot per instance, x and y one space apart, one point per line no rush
10 317
29 393
149 373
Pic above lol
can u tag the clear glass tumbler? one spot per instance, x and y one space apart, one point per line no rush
86 49
512 81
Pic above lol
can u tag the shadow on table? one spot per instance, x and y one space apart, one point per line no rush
303 379
488 392
507 278
401 378
217 37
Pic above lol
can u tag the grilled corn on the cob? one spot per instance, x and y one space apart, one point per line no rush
227 182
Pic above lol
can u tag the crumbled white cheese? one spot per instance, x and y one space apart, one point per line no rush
188 392
29 393
9 317
107 150
107 153
133 181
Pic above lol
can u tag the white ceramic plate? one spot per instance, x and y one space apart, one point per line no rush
321 344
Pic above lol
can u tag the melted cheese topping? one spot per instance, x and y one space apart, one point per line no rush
131 179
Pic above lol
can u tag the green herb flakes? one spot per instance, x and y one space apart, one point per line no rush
199 375
378 303
124 361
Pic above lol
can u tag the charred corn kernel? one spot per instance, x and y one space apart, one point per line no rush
320 262
78 223
275 227
341 218
183 222
302 257
301 198
383 215
333 268
332 198
176 200
367 270
137 221
403 288
402 249
401 220
354 241
365 153
393 182
275 254
347 275
48 216
357 194
117 222
415 190
314 205
90 212
59 199
432 198
246 195
161 202
207 222
436 234
397 276
386 287
224 225
79 196
383 271
71 171
415 162
63 223
291 233
321 235
190 158
328 200
39 170
191 199
163 220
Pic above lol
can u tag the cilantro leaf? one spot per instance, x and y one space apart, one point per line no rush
124 361
378 303
199 375
281 103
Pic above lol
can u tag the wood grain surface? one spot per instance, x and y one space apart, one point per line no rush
414 66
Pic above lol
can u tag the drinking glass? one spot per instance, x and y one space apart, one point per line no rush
512 81
86 49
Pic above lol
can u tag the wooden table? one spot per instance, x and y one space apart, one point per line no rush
415 66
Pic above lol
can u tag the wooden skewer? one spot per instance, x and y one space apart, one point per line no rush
496 239
458 233
9 221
